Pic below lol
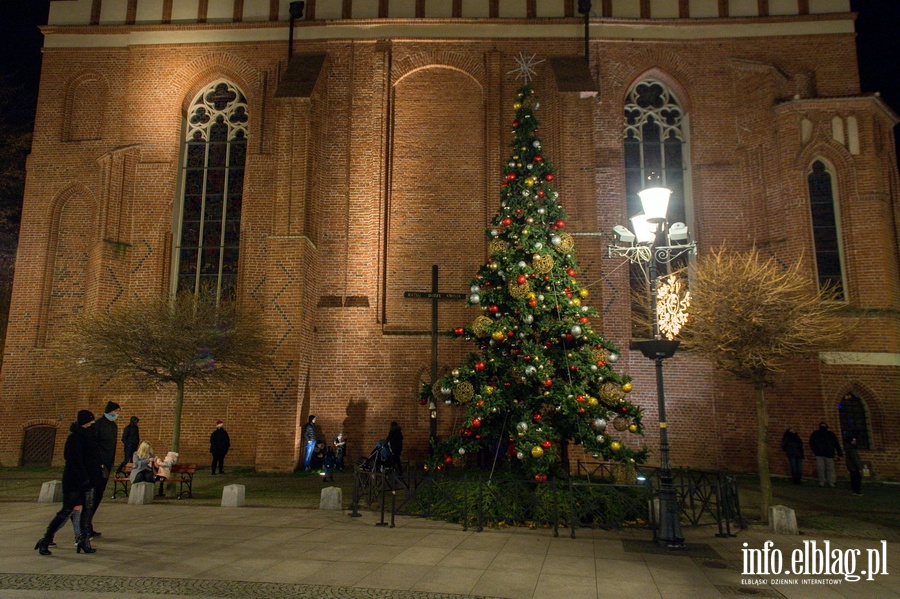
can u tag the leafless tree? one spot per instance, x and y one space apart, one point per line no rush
752 317
157 341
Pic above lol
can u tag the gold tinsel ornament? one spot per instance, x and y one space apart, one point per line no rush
599 354
497 246
619 423
436 390
566 243
519 291
464 392
611 393
479 324
542 264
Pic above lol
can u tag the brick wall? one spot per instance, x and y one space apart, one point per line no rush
392 164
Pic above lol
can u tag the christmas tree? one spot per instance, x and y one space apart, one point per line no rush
543 376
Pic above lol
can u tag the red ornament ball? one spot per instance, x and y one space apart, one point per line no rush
540 193
521 279
422 402
538 158
579 398
510 176
549 177
448 459
476 422
560 224
548 383
506 222
571 272
493 308
459 331
546 444
479 366
537 417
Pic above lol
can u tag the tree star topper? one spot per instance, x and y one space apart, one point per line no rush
525 70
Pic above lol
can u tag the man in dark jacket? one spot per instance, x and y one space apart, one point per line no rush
81 475
309 434
107 438
219 444
824 445
131 439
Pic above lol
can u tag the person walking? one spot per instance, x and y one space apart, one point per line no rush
131 440
854 466
792 445
309 434
81 474
143 462
395 444
824 445
219 444
107 438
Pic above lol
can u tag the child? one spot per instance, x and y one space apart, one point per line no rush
328 463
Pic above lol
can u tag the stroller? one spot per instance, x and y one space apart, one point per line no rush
380 459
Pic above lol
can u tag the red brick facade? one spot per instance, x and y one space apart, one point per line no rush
390 163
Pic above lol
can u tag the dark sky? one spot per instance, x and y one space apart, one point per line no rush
878 43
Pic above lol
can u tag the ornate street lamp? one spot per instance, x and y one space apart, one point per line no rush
654 242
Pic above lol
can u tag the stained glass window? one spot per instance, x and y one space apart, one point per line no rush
213 181
829 264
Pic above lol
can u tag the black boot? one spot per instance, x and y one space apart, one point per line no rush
43 545
84 544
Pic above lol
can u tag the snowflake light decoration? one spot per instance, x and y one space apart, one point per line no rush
525 70
672 303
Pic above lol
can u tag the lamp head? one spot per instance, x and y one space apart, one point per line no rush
644 228
296 9
623 235
655 201
678 232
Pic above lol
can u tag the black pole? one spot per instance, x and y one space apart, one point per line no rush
659 349
584 7
295 9
434 349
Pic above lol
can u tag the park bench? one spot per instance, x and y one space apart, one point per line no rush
182 474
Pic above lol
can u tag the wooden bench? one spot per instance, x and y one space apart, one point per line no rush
121 481
182 474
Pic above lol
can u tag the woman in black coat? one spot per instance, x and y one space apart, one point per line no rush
81 475
395 443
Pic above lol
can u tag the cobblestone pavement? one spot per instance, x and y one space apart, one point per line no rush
166 551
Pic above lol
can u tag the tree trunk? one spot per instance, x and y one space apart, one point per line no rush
176 421
762 450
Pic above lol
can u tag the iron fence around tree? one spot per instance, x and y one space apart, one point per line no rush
591 500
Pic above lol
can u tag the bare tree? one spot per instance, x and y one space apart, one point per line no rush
752 317
184 340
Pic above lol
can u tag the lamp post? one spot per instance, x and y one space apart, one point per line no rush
653 242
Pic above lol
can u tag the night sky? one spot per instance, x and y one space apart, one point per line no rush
878 45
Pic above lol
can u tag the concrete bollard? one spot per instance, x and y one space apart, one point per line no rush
233 495
51 492
331 499
782 520
141 494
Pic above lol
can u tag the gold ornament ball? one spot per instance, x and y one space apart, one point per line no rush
498 335
615 446
633 428
627 387
517 105
537 451
583 292
592 401
454 372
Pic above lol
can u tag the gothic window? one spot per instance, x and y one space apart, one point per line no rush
214 153
854 420
826 237
655 156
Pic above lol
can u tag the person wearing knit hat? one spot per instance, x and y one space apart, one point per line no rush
219 444
81 475
107 433
131 440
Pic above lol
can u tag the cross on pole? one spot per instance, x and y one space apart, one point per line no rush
435 296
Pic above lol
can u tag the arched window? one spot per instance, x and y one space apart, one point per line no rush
854 420
826 236
209 221
655 156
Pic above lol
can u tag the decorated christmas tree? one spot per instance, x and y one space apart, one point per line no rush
543 376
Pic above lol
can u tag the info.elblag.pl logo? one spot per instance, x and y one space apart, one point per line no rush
814 558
